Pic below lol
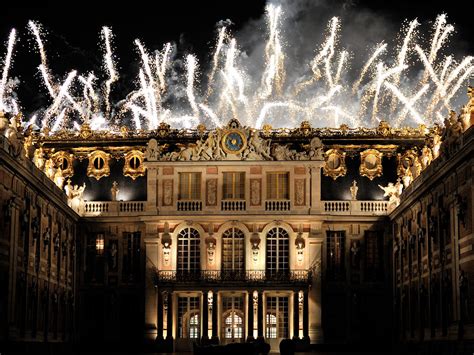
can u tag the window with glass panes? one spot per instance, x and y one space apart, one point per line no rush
189 186
276 319
188 251
278 255
373 256
188 317
233 186
233 258
233 311
335 254
277 186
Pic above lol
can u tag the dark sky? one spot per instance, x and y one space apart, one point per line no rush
74 26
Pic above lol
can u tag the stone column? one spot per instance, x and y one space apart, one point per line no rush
260 315
205 317
159 317
315 189
250 316
305 316
215 326
296 316
169 323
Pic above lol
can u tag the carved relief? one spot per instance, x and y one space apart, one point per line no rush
255 192
64 161
134 166
300 192
211 187
335 163
98 164
370 163
167 192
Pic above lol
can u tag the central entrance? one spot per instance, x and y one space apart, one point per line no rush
232 321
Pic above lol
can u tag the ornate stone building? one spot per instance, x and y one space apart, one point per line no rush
233 234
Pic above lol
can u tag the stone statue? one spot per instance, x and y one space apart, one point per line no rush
393 191
426 157
59 178
354 188
316 148
75 197
113 255
152 150
46 238
38 158
114 190
49 169
260 147
407 178
28 141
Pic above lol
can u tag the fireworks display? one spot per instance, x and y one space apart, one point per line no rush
406 83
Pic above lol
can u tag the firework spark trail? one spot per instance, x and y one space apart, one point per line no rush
269 105
215 61
208 111
59 97
44 69
327 52
402 54
339 112
191 68
91 98
6 67
411 103
381 47
321 100
447 63
150 103
59 120
342 60
405 101
383 75
109 65
161 64
151 86
274 73
457 86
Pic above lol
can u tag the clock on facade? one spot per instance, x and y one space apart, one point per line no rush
234 142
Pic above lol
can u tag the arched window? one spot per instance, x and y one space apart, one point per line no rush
233 255
271 329
277 252
188 251
194 326
233 326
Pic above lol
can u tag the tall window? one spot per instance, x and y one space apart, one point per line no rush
131 256
189 186
188 251
233 313
188 317
373 256
277 186
276 318
233 258
335 255
234 186
277 252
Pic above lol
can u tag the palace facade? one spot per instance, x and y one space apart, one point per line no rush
234 234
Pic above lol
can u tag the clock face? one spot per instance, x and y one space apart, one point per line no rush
234 142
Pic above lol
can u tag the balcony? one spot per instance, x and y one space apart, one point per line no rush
277 205
189 205
233 205
234 276
113 208
364 208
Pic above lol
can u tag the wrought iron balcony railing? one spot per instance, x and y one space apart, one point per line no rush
232 276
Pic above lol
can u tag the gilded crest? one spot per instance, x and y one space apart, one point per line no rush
370 163
64 160
335 163
134 166
98 164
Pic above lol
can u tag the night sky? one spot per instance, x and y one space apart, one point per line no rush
74 28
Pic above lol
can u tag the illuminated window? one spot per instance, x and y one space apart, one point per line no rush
234 186
99 244
277 186
233 311
277 252
188 251
188 317
233 326
189 186
276 319
233 250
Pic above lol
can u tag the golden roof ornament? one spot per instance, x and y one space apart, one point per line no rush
305 128
163 129
267 130
201 128
383 129
85 131
344 128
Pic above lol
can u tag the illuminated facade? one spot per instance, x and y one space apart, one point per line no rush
234 234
